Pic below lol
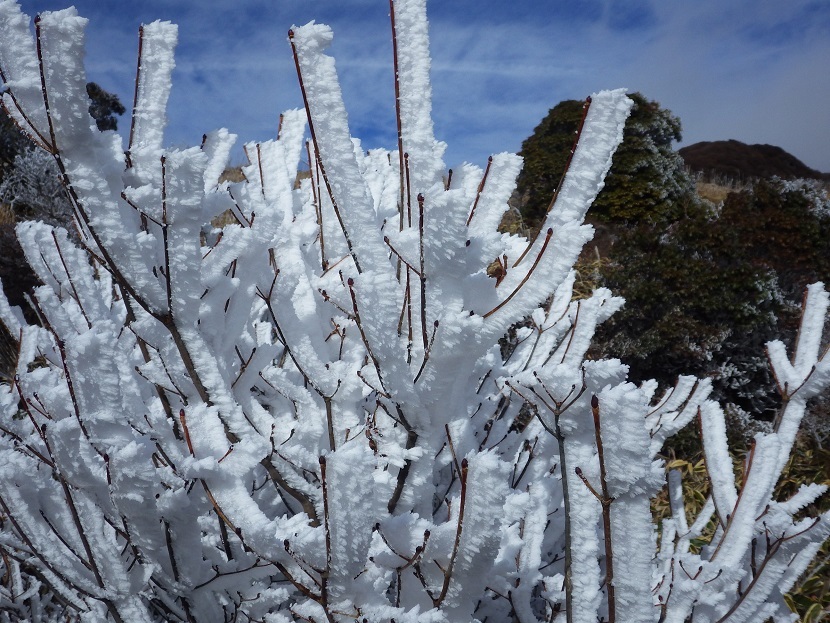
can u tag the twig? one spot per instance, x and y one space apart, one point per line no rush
606 500
437 601
525 278
585 108
480 190
334 205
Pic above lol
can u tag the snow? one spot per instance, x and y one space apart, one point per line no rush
157 41
311 412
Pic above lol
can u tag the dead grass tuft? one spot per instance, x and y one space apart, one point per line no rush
6 215
713 192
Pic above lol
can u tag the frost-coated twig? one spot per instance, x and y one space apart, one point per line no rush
310 414
525 278
605 500
480 189
559 186
403 187
322 168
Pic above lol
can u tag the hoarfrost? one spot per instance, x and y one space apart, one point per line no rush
306 414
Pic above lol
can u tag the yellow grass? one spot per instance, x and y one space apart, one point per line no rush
713 192
6 215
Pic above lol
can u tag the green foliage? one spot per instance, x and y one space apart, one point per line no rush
780 226
8 345
693 305
648 181
705 292
12 141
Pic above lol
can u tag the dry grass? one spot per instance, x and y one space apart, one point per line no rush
6 215
713 192
226 218
589 273
232 174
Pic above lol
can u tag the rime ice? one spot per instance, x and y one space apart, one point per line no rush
307 414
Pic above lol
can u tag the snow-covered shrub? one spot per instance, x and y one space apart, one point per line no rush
307 415
33 188
816 192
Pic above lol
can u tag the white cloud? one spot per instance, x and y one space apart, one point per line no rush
754 70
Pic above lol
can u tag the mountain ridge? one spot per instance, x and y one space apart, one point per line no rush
732 159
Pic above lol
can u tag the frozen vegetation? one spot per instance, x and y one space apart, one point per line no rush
310 413
35 182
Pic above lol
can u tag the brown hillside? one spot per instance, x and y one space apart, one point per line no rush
741 162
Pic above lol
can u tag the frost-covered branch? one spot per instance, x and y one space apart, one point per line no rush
307 414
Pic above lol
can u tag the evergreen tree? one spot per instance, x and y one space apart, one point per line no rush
703 284
783 226
545 155
648 180
692 304
705 292
103 107
12 141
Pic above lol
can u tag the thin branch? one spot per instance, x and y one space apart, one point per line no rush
526 277
530 244
400 257
422 275
437 601
606 502
403 190
480 190
411 442
334 205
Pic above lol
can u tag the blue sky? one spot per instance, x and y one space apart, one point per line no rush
752 70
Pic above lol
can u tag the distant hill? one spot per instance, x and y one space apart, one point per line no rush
741 162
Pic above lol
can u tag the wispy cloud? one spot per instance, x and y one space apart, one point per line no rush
754 70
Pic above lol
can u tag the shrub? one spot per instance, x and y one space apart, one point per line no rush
310 414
